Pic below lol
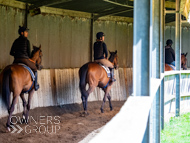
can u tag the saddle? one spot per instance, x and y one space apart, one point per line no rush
29 69
106 69
172 66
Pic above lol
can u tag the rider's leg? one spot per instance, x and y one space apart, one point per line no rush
173 63
33 67
36 85
112 74
107 63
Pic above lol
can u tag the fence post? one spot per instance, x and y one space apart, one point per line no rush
162 56
141 48
155 69
141 77
178 55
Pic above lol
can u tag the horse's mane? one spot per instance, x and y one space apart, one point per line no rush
112 56
35 49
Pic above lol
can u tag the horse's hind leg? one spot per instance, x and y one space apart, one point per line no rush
14 101
103 103
109 99
85 98
24 108
107 90
30 95
84 102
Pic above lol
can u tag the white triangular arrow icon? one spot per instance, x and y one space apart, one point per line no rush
20 129
14 129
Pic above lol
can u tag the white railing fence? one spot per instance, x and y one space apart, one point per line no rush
130 124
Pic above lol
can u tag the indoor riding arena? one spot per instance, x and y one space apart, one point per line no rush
143 95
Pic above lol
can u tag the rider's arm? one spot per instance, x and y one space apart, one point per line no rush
28 48
173 54
105 50
12 52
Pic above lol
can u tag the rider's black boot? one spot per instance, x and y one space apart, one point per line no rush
36 85
112 75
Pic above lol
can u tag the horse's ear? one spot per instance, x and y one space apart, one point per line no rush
109 52
115 51
186 54
40 46
34 47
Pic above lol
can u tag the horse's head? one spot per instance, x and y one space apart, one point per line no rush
37 56
114 59
184 61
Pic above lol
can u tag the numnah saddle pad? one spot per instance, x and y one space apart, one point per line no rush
29 69
106 69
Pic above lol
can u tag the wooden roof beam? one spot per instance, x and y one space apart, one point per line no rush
168 4
112 12
48 3
119 4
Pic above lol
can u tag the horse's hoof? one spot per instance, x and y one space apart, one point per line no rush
102 111
83 114
111 108
24 121
8 129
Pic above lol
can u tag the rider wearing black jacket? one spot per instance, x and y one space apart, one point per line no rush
100 49
21 48
101 53
169 53
21 52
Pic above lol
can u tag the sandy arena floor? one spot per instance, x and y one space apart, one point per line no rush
58 124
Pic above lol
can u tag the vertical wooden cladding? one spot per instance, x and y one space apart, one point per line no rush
65 40
10 19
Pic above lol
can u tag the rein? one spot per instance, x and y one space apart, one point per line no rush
32 61
111 59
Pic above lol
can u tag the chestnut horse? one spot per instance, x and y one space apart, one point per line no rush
93 74
17 79
183 63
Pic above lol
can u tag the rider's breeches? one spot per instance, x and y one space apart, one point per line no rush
26 62
105 62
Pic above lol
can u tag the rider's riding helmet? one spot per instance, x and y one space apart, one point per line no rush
168 42
22 29
99 35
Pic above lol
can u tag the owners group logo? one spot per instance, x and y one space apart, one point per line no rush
42 125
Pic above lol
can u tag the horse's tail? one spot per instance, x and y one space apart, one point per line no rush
6 88
82 75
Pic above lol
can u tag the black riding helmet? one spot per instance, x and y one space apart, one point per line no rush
168 42
99 35
22 29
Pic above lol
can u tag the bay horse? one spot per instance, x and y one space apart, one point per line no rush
17 79
183 63
95 76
